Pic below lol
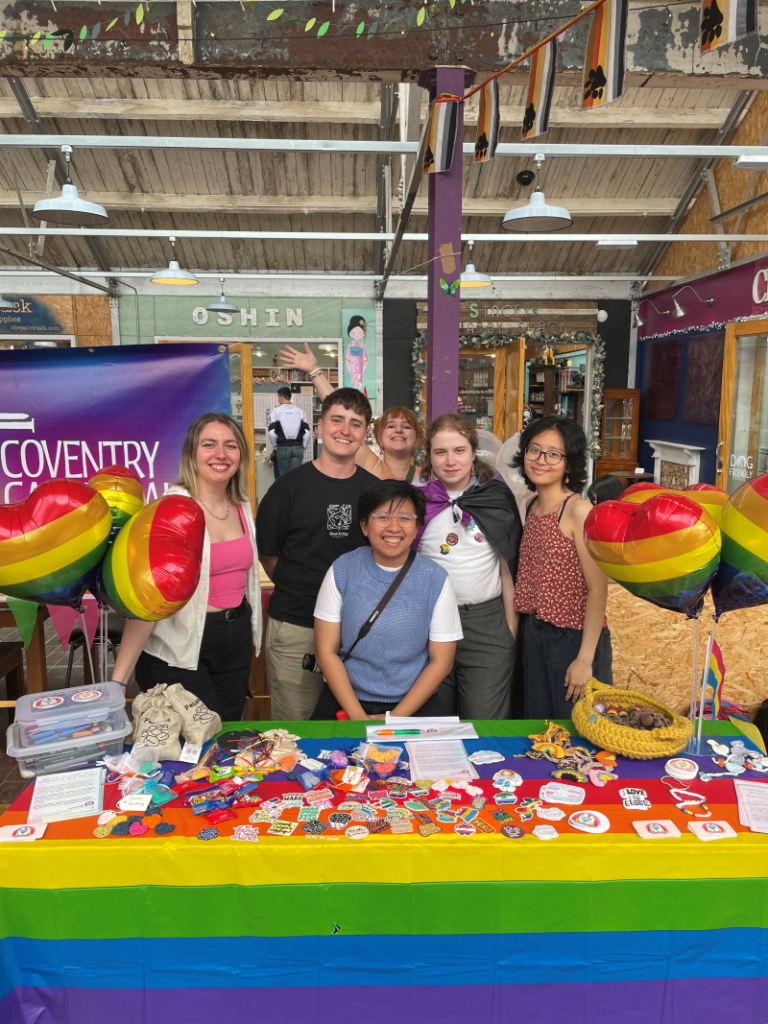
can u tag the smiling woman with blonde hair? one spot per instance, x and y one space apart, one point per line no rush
207 645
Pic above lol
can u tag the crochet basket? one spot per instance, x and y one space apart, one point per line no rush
638 744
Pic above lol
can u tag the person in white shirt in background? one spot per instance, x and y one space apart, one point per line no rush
289 433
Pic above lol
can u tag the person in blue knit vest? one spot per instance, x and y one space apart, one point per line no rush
399 663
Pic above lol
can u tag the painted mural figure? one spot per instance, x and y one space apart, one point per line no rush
357 354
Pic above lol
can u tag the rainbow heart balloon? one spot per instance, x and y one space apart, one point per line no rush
665 550
122 491
153 567
708 496
742 579
52 542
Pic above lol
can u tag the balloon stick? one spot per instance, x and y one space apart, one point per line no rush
704 674
87 645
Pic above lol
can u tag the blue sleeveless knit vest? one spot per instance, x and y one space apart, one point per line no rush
387 662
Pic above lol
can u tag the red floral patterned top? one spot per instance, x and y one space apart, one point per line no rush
550 581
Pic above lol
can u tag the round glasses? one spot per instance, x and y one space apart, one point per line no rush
404 518
552 458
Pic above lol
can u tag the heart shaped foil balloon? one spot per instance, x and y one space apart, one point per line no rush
665 550
708 496
122 491
742 579
52 542
153 567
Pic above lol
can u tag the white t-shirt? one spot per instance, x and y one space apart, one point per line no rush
472 563
444 626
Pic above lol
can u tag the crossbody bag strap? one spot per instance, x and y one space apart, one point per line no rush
387 597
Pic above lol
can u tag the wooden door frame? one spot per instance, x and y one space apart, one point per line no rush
733 331
243 349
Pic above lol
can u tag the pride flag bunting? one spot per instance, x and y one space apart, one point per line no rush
541 87
487 122
604 61
723 21
441 137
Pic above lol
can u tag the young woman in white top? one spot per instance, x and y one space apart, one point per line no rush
207 645
473 531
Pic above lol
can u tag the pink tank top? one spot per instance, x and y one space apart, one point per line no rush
230 562
550 581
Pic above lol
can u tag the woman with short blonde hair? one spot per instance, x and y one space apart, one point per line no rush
207 645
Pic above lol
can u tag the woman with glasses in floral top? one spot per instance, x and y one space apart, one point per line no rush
559 589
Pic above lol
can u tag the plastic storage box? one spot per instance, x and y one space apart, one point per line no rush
60 729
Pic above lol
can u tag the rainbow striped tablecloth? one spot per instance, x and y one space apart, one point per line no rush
582 929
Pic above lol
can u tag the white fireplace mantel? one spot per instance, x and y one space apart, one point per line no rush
680 454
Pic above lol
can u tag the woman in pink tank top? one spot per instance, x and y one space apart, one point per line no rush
560 590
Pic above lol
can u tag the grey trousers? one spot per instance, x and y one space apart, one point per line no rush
547 653
289 456
479 685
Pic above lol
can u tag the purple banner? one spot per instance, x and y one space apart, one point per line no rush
70 412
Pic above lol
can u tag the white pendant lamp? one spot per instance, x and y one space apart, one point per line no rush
471 278
222 306
174 275
538 215
68 208
5 304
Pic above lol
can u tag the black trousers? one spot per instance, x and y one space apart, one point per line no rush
549 650
327 706
221 677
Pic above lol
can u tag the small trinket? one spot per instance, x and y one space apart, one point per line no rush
164 828
512 831
545 831
208 833
589 821
656 829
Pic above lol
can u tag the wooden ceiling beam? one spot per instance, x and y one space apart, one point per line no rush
614 116
161 202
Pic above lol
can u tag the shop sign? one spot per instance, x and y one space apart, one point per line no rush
249 317
506 312
760 287
70 412
30 316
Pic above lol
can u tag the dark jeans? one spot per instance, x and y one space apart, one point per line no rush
289 456
549 650
221 677
327 706
479 685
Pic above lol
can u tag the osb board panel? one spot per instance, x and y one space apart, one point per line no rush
62 308
94 340
92 316
687 258
652 650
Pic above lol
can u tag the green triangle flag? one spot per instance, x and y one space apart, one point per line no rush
25 614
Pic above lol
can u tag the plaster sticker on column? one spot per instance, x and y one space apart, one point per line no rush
447 258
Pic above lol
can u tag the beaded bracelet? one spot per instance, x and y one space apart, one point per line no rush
685 798
315 373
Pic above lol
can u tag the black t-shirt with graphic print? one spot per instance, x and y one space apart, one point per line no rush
308 520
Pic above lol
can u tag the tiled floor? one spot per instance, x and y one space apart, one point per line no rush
11 783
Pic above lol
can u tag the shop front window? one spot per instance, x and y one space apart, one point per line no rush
749 417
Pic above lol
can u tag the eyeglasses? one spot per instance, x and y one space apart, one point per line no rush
552 458
404 518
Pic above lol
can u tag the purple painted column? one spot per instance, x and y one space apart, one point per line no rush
445 193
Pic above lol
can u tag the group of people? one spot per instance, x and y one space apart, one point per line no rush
396 589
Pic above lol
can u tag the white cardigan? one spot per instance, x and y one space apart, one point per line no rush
177 640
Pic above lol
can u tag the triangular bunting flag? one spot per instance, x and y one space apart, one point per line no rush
63 618
723 21
25 615
441 137
487 122
604 61
541 87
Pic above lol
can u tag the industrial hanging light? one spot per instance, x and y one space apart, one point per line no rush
5 304
68 208
258 350
538 215
470 278
637 320
174 274
678 310
222 306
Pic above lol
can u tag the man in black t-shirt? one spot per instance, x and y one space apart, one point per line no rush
307 519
